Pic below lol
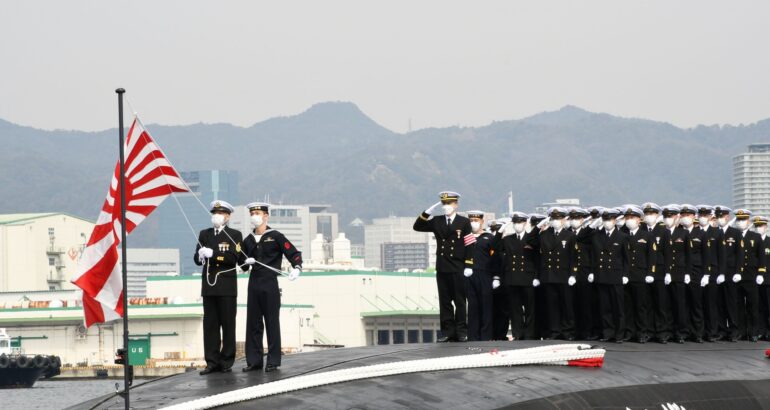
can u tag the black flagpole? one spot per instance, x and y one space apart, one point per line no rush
122 180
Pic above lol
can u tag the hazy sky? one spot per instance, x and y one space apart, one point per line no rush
437 62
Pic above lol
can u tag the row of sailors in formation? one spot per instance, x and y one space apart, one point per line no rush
640 273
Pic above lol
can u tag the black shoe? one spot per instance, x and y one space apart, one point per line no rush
680 341
604 339
462 339
269 368
443 339
733 339
754 339
698 340
591 338
619 341
227 370
712 340
643 339
251 368
663 341
207 370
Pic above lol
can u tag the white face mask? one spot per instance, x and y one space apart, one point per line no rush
217 220
650 219
632 224
609 225
475 226
762 229
704 221
556 224
256 221
575 223
722 221
448 209
669 221
519 227
686 221
742 225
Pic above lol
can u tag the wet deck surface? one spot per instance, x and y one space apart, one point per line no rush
634 375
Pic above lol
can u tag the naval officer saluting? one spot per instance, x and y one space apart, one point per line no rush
451 232
219 252
265 247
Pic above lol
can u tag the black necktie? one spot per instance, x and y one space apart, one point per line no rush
448 221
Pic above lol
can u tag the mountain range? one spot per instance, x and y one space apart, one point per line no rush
333 153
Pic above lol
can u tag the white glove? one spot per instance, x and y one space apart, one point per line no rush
294 274
649 279
544 223
590 278
432 208
760 279
204 253
596 223
468 272
535 282
625 280
737 277
720 279
686 278
571 281
667 279
704 281
250 261
495 283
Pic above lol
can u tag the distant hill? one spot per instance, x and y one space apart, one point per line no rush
333 153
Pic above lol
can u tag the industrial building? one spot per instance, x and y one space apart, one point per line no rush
751 179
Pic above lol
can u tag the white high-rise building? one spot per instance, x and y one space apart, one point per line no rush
393 230
142 263
751 179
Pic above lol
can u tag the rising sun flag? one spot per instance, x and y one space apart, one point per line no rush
149 179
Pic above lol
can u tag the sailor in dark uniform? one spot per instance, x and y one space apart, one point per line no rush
713 238
533 228
219 252
678 267
763 328
700 255
265 246
557 275
451 232
661 305
585 294
518 251
642 252
500 316
479 280
751 271
728 268
610 247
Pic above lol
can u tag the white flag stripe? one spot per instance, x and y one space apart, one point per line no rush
133 136
104 217
92 254
141 156
152 201
149 167
134 217
159 181
110 293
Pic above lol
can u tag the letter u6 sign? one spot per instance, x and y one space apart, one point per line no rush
138 351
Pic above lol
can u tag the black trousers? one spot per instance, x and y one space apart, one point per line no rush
479 287
522 311
695 309
611 306
219 331
451 289
500 313
743 308
763 327
638 312
585 310
712 317
540 317
263 311
560 314
662 320
677 292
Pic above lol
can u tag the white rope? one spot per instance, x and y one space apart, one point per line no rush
562 355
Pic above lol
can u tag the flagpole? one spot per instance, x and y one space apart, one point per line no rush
122 182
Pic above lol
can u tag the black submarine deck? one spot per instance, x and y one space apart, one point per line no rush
719 375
